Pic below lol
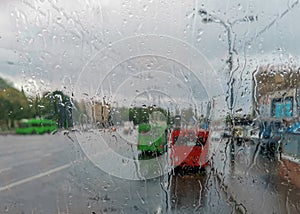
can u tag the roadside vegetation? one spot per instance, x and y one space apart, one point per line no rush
15 105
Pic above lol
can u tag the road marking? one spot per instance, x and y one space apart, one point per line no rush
5 169
26 180
43 174
47 154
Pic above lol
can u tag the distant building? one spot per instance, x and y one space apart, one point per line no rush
276 92
102 114
98 113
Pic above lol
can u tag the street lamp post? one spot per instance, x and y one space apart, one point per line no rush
210 18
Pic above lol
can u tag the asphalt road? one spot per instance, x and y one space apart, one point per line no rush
51 174
255 179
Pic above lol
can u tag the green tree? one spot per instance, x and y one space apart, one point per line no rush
141 114
4 84
14 105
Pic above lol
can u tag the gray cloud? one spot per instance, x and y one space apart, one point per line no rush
54 40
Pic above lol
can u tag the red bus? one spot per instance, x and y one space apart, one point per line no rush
189 148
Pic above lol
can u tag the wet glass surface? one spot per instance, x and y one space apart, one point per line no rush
95 97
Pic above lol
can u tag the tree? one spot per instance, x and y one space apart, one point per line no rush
4 84
56 106
14 105
141 114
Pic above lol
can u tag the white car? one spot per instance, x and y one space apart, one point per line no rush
128 127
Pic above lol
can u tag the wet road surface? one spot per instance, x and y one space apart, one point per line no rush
51 174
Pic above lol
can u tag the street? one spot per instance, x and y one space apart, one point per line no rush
51 174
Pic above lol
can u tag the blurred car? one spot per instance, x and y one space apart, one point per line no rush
294 129
128 127
189 148
245 133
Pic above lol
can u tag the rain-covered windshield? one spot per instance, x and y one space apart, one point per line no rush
119 82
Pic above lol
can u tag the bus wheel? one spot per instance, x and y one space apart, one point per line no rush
202 170
177 170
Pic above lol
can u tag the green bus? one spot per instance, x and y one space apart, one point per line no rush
152 138
36 126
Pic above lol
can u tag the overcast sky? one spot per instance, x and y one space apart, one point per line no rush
71 44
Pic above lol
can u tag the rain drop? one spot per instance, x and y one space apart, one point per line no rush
57 67
59 19
200 32
145 8
240 7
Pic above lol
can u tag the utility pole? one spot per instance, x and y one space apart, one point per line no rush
228 26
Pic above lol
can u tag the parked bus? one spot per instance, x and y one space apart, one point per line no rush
153 134
36 126
152 138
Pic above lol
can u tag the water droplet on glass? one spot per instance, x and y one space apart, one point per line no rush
89 205
186 79
240 7
200 32
220 38
145 8
59 19
57 67
30 41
